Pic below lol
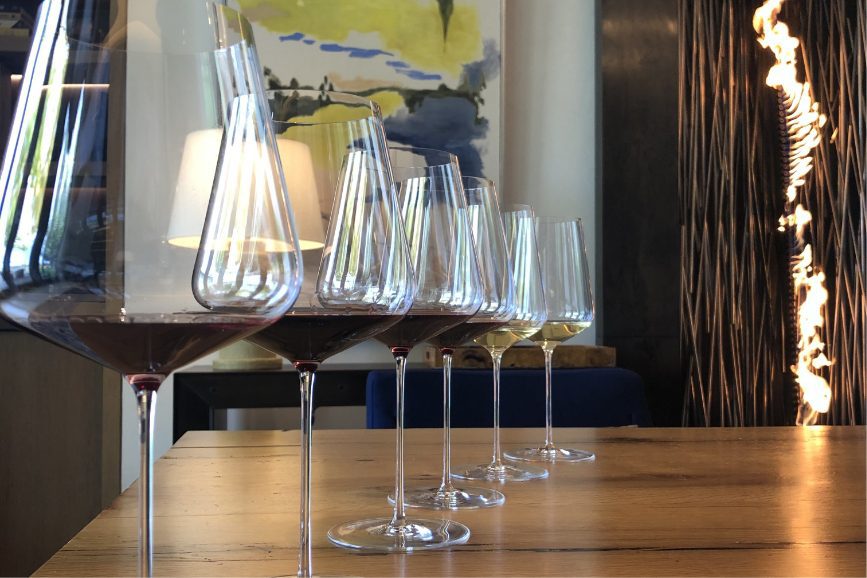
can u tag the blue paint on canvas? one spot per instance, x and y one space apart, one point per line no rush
419 74
397 64
448 123
296 36
308 41
354 51
476 74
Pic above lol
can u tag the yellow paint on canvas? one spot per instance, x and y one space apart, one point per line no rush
389 102
411 29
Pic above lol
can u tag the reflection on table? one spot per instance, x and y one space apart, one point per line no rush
663 502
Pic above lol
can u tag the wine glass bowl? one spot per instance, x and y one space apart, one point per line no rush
569 304
448 292
144 215
530 315
358 277
498 308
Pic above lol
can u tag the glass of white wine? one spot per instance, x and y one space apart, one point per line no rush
530 316
569 302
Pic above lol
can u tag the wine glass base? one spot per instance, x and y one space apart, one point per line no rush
466 498
380 535
550 455
500 473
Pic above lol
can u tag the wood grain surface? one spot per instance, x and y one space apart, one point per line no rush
657 502
60 450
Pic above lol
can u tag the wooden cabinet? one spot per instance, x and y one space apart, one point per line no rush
59 447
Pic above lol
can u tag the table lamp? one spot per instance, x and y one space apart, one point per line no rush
196 177
195 180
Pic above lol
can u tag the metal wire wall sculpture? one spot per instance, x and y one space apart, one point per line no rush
834 52
736 328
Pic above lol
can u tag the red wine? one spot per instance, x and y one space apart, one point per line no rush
418 327
301 337
463 333
134 347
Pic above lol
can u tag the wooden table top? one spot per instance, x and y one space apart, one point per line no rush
662 502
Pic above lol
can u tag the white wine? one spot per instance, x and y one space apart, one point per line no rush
558 331
504 337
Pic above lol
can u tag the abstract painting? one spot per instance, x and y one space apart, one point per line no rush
433 66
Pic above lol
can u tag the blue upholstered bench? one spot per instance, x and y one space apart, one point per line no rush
591 397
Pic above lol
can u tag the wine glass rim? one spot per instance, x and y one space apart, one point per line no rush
518 208
557 220
344 98
452 158
244 37
473 183
432 183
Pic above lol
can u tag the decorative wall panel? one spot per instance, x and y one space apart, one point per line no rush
736 319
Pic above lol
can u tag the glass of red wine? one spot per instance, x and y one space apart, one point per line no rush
144 215
498 308
569 301
448 293
358 278
530 316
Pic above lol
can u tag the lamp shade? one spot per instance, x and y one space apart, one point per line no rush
301 184
194 184
196 178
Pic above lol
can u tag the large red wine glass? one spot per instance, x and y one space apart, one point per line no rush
144 217
498 308
448 293
358 277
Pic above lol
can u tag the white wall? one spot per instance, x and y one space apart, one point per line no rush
550 115
549 154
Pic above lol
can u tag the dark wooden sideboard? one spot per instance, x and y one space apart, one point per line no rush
201 390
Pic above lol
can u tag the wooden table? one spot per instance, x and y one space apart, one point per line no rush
672 502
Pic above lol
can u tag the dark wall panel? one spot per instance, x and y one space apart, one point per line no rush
641 232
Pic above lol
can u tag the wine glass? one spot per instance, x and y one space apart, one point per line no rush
498 307
435 219
358 278
569 302
144 215
530 315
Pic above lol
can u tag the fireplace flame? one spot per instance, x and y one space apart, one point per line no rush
803 122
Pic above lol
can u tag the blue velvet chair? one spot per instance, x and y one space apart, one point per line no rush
590 397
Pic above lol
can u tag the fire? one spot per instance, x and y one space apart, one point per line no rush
803 124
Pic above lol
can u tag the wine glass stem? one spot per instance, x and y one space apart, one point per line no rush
497 357
446 485
305 548
145 389
549 421
399 517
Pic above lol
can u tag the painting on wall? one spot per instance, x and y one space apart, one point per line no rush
433 66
